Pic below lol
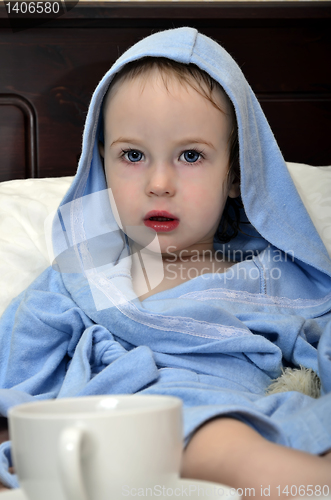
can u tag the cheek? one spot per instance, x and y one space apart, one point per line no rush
124 194
204 202
123 187
126 199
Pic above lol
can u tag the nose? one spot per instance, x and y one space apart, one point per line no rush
161 180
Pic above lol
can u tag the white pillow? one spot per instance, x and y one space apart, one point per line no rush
25 204
314 187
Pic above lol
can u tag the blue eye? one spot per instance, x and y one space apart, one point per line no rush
133 155
191 156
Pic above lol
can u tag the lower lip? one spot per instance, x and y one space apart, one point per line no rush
162 226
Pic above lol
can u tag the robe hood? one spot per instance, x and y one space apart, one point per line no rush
271 202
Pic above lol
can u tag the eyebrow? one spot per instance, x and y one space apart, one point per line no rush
180 143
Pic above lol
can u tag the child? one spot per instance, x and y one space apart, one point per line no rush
165 284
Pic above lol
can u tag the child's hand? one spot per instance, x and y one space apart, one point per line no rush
228 451
3 488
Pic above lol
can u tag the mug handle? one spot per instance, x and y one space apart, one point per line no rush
69 460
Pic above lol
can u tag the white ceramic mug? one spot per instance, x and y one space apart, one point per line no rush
96 447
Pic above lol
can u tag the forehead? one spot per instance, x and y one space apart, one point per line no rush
170 81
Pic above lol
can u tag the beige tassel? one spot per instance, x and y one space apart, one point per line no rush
301 379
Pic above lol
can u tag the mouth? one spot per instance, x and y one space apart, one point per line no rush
161 221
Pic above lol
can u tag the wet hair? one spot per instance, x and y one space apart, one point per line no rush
204 84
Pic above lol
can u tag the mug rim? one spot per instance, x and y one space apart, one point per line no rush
34 410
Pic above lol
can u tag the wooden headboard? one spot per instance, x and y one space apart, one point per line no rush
48 73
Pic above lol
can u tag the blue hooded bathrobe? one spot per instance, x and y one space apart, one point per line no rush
215 341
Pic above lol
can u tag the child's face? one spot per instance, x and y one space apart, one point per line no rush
168 152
